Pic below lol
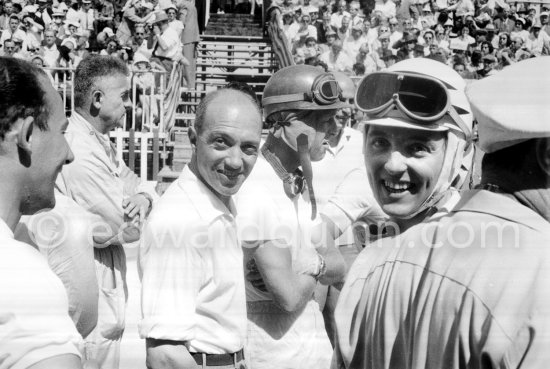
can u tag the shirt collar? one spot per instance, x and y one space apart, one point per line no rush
206 203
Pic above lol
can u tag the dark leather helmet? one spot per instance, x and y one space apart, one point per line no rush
301 87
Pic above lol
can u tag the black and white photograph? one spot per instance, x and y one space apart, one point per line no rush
274 184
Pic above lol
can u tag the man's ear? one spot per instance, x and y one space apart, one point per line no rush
192 133
21 135
543 155
97 99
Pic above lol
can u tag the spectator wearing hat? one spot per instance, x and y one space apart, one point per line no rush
336 17
166 42
384 49
14 31
86 16
173 22
519 30
489 64
354 41
330 36
299 31
44 13
58 17
104 15
406 47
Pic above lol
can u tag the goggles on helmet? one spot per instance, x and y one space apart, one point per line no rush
324 91
421 98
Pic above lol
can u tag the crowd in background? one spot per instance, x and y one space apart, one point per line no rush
60 34
476 37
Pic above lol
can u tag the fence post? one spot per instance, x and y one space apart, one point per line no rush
143 156
155 153
131 149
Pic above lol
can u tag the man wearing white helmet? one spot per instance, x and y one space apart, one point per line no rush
286 249
418 146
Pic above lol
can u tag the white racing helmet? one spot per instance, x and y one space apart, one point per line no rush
424 94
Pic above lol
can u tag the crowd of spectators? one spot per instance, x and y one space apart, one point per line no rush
146 34
476 37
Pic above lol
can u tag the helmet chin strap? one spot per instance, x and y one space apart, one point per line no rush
305 163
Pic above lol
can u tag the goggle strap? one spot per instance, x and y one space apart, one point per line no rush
285 98
460 123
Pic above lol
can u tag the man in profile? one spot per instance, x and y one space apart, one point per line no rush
35 328
103 185
191 261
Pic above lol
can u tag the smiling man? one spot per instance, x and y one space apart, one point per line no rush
191 261
35 328
105 186
417 151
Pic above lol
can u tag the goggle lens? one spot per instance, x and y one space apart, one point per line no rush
329 91
420 96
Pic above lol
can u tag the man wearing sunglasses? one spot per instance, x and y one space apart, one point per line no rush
287 250
418 149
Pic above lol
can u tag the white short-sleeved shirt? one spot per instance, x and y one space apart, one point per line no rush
34 319
173 42
191 266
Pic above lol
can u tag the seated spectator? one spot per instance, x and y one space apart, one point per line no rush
132 15
538 42
57 24
138 42
336 17
344 30
489 62
308 50
486 48
336 59
354 41
519 30
406 47
13 30
355 17
299 31
331 37
370 60
427 18
9 48
19 52
370 34
395 35
86 16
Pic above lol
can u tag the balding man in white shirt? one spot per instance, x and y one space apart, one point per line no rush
191 260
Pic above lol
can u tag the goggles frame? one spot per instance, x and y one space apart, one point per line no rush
395 100
322 84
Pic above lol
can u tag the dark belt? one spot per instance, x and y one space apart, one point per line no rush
218 359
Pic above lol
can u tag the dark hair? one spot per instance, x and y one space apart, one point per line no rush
491 48
22 94
92 68
200 114
359 69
